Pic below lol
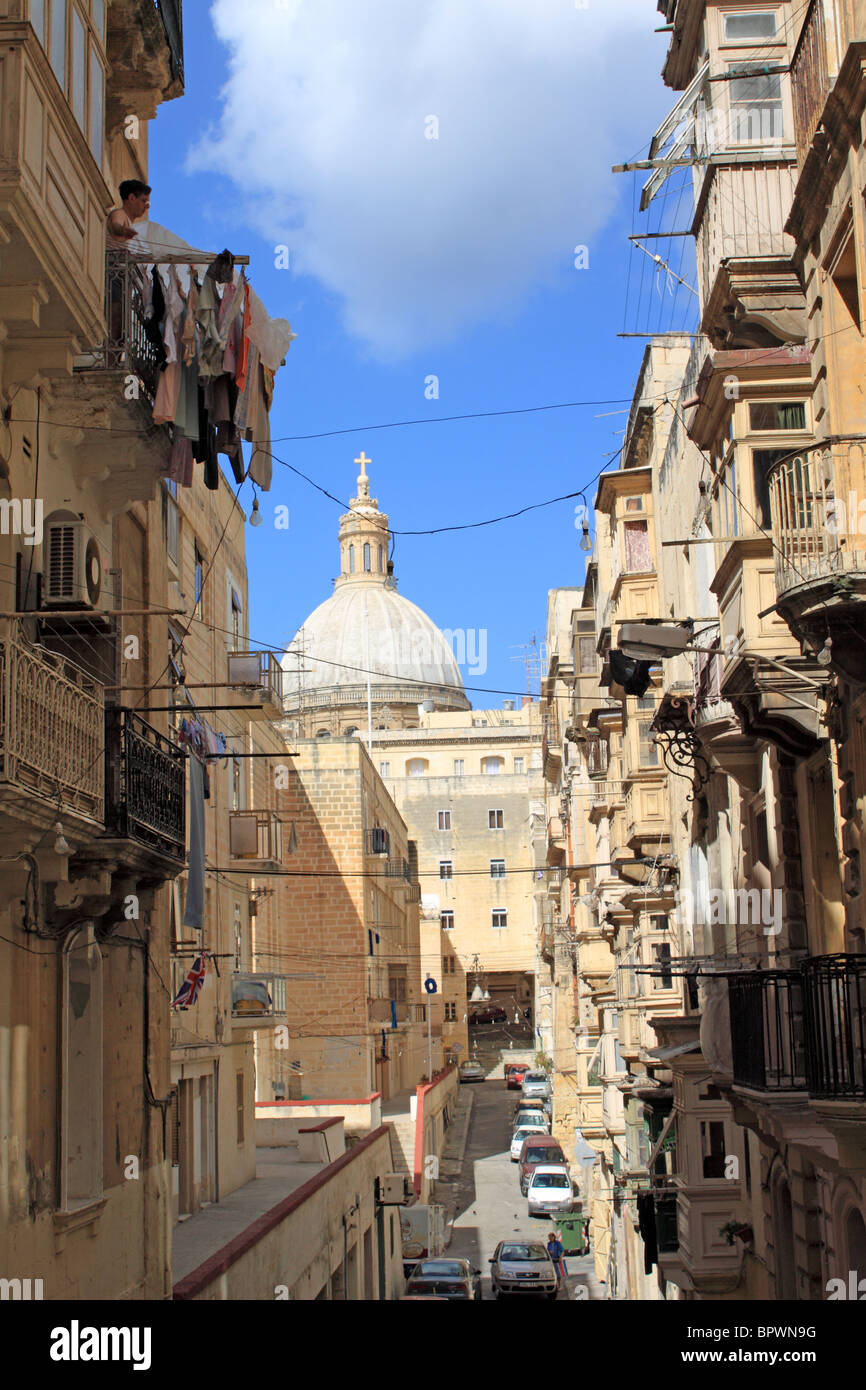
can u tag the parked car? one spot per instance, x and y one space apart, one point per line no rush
522 1267
550 1190
471 1071
492 1014
540 1148
524 1118
456 1280
533 1103
514 1074
518 1138
535 1083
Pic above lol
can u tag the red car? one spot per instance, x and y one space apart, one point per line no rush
514 1074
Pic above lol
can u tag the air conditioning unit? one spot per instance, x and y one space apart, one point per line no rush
395 1190
74 565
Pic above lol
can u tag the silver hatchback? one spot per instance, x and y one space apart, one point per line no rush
535 1085
523 1267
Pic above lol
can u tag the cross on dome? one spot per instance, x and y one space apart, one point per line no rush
363 480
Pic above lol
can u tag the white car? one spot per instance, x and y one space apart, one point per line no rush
536 1084
550 1191
525 1118
519 1136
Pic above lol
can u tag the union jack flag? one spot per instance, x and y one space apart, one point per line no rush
192 985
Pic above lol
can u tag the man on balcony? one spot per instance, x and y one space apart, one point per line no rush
119 231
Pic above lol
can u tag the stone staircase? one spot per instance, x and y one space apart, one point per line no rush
402 1143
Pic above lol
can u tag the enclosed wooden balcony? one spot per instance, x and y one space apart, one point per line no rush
811 82
52 729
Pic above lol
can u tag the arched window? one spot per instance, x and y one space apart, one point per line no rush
492 766
323 733
416 767
380 559
81 1112
352 729
351 559
367 563
855 1239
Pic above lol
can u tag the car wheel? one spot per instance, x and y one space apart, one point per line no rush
553 1295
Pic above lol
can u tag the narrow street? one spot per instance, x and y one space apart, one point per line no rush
487 1196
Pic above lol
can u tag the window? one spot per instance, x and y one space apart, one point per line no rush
416 767
713 1148
172 522
81 1172
479 723
637 551
236 621
497 868
384 769
446 920
239 1092
446 868
492 766
448 963
495 820
351 559
648 748
75 44
519 766
634 504
762 462
236 783
444 820
379 840
380 559
740 28
844 277
323 733
587 657
499 918
756 113
397 988
451 1013
367 565
459 767
199 573
777 415
662 953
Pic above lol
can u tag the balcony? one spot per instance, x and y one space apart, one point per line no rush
835 990
551 757
144 42
820 550
255 838
258 1000
555 840
52 730
53 206
377 841
145 800
766 1011
259 676
387 1010
810 80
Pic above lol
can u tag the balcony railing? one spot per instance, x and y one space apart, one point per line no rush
145 789
255 836
810 80
258 673
835 988
766 1009
814 538
258 997
127 346
52 727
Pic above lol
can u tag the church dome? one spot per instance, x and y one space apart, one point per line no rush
367 626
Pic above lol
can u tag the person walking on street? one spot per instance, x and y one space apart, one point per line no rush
556 1251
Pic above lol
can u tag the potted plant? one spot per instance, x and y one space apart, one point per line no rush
737 1230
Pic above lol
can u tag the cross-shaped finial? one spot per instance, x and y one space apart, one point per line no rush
363 460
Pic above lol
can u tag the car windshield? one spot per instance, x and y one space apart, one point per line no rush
451 1268
550 1180
544 1155
524 1134
535 1076
523 1252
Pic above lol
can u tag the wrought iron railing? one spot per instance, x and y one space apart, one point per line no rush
255 836
767 1036
51 726
258 996
835 990
145 788
130 343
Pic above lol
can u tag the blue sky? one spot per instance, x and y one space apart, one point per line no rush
475 285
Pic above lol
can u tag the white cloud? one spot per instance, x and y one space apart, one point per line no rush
323 131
